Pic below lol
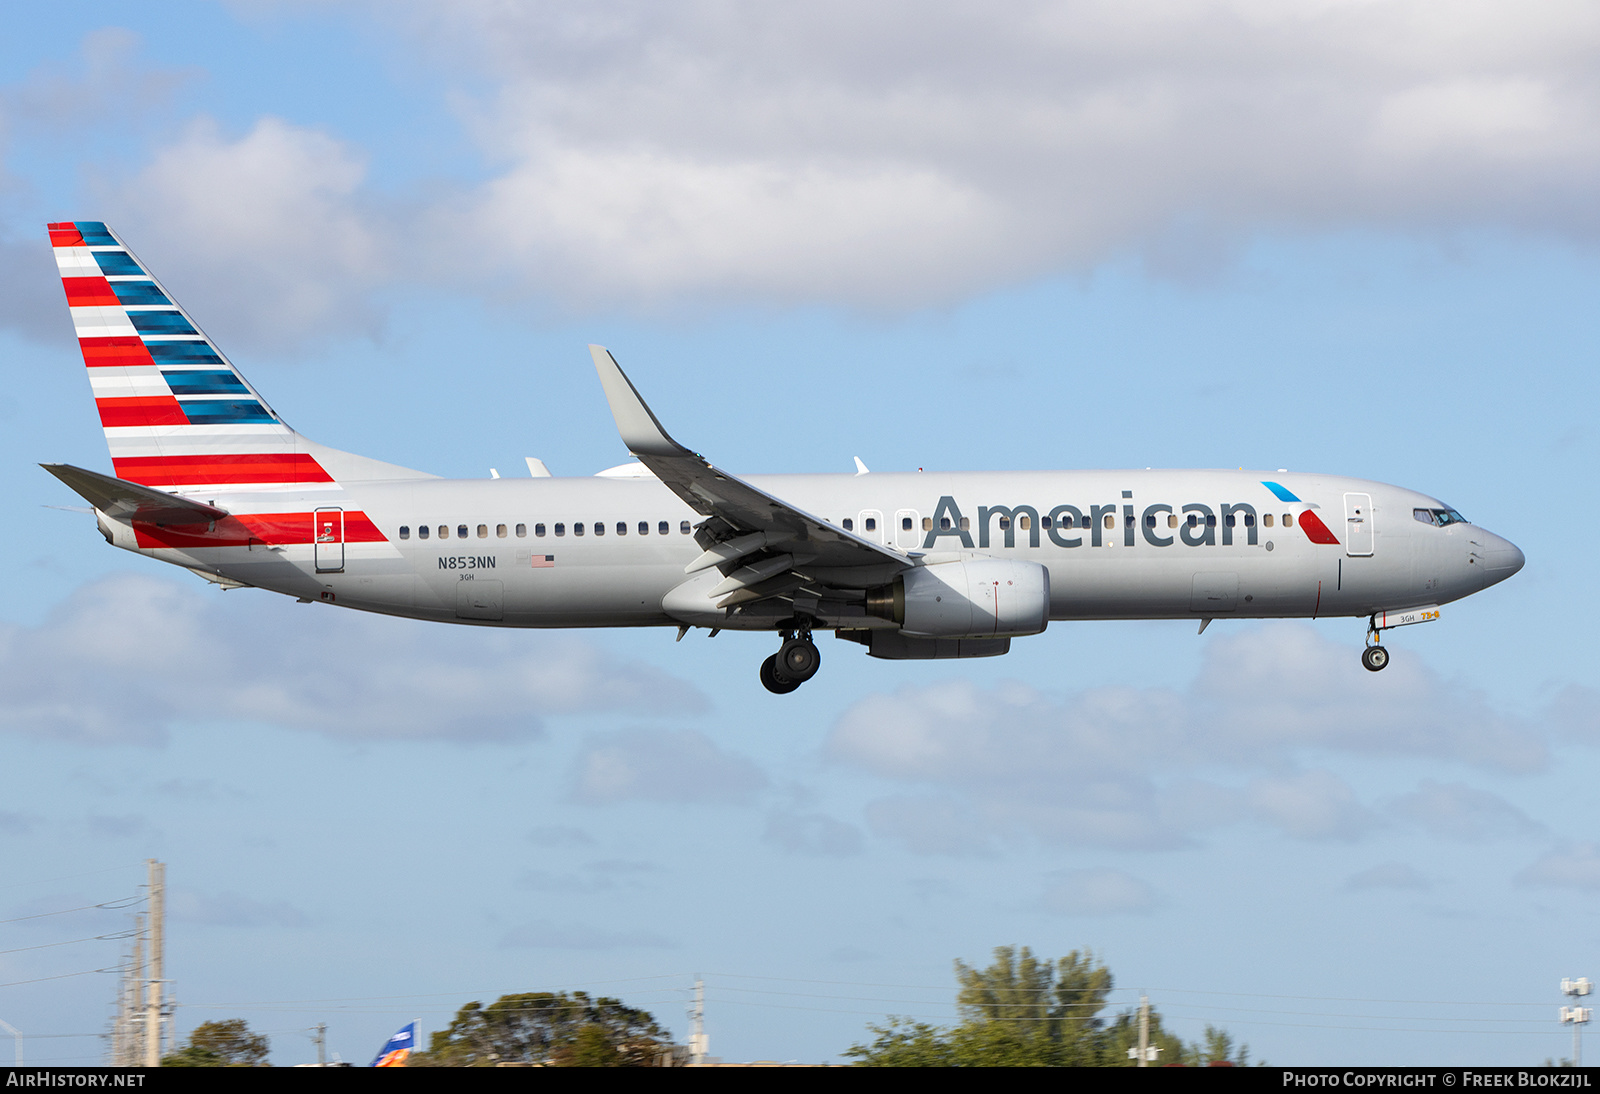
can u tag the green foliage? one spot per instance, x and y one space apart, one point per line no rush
557 1029
221 1044
1021 1011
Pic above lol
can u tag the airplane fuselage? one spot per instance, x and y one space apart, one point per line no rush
608 551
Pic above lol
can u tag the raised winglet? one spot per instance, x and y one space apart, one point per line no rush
640 430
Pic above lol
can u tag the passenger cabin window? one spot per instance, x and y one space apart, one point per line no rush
538 530
599 528
1149 520
944 524
622 527
577 527
1266 519
1025 522
966 524
905 524
461 531
500 530
444 531
522 531
927 523
1249 520
422 531
405 531
644 528
1005 522
1288 520
1172 520
1230 520
561 529
683 527
872 524
1111 521
1211 520
849 525
483 531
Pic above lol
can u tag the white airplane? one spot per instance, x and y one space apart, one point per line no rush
911 566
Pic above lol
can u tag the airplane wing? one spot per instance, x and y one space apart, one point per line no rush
743 521
129 501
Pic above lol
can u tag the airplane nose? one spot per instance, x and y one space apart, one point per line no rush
1501 559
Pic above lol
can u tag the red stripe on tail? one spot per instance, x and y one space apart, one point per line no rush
220 468
115 351
141 410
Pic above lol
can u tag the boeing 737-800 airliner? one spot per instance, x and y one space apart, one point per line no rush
210 478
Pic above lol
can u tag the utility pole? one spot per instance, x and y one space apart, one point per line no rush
1144 1031
17 1033
698 1042
153 1015
134 1047
1576 1015
321 1039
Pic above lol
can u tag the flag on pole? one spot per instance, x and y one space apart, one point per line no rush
397 1048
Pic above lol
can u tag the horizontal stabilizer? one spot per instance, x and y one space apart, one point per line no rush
123 500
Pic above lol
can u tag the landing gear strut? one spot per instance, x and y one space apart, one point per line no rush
1374 658
796 661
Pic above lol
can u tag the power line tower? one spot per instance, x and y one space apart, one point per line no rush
1576 1015
698 1041
155 1014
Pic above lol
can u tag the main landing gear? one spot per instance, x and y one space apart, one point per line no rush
796 661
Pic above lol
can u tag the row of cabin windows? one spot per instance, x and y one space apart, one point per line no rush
464 531
870 524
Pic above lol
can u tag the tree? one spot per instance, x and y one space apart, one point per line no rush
221 1044
556 1029
1021 1011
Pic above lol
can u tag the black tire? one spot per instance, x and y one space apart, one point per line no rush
799 660
1375 658
778 685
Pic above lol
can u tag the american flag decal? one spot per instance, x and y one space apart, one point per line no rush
543 561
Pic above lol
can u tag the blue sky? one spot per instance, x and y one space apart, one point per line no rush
1356 238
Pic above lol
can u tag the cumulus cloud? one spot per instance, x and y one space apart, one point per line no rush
1571 866
1313 805
1097 892
899 154
1388 875
1459 812
1149 768
229 909
127 657
546 935
891 156
812 834
662 765
268 236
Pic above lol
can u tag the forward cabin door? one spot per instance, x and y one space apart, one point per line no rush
1358 525
327 536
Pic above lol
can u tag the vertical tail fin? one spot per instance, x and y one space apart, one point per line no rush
176 413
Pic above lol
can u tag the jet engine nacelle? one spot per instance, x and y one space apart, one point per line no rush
984 598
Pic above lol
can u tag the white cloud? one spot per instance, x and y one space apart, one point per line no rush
1455 811
812 834
232 910
1572 866
127 657
662 765
906 154
1313 805
1388 875
1148 768
268 237
547 935
1097 892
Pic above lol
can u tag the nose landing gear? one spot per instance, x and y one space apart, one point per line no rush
796 661
1375 658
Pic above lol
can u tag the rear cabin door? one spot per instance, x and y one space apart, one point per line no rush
1358 525
327 537
906 534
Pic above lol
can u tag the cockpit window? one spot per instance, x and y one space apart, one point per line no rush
1440 517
